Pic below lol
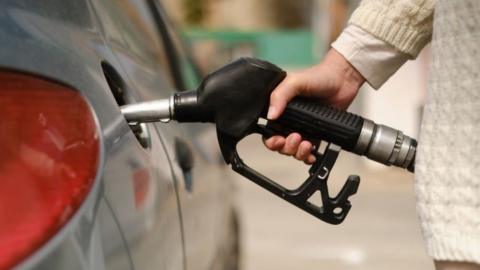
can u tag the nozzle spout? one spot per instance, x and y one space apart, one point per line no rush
150 111
182 107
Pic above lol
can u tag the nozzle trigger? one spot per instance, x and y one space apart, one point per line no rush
332 210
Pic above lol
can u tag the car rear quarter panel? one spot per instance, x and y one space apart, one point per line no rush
61 40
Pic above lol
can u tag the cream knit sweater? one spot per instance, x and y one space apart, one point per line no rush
405 24
448 158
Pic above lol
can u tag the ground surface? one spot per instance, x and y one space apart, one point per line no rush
381 232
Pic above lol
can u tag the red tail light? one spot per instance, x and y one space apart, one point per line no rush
49 153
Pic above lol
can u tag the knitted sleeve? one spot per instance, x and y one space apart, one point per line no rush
405 24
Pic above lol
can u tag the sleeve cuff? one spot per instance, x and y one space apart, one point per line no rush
375 59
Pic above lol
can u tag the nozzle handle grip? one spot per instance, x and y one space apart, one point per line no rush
318 122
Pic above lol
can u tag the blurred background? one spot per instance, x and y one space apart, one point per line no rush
382 230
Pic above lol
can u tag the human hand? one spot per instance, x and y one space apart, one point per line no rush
334 82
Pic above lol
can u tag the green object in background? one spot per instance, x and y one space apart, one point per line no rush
294 49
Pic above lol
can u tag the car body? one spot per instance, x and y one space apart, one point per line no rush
160 197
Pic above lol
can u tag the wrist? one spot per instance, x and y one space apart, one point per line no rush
348 74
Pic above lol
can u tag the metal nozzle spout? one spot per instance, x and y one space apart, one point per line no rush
150 111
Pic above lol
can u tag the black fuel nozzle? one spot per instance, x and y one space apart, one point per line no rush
237 95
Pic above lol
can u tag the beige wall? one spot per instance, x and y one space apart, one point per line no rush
174 10
240 14
237 14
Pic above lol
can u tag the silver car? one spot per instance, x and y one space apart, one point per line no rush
79 187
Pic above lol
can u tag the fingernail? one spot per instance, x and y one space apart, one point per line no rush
294 141
271 112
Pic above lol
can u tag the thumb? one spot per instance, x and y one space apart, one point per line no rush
281 95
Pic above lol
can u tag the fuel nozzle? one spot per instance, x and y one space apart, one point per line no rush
237 95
